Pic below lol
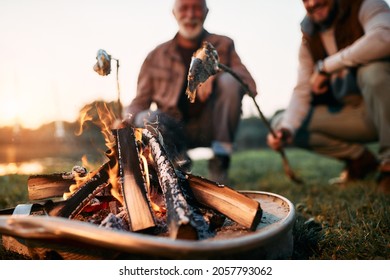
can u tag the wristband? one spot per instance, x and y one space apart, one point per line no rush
320 68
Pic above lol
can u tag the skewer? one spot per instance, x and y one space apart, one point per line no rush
207 60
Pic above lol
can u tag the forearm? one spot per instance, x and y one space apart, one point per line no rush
373 46
299 104
374 17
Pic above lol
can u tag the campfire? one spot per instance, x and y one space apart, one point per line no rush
138 189
139 201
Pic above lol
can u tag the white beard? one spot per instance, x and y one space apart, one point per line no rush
190 33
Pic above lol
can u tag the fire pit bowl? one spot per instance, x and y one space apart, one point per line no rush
44 237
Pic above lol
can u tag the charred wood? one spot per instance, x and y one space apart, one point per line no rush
180 220
83 195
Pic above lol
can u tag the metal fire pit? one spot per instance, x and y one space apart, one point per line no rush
44 237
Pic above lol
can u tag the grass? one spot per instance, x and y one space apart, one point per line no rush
332 222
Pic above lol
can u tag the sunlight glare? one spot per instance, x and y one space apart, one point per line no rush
25 168
9 110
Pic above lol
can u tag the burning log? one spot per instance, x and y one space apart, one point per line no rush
83 195
183 221
44 186
238 207
133 184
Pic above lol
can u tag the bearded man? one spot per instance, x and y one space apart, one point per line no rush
341 100
212 120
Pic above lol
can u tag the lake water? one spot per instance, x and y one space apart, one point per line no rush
57 164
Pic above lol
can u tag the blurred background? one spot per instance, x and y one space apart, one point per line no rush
48 49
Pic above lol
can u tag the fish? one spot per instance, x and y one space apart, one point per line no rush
103 64
204 64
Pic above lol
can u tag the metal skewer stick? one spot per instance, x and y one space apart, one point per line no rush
118 89
103 68
286 165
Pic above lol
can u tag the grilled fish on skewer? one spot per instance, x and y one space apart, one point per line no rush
204 64
103 64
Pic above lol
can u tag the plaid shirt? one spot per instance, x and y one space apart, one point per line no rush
162 75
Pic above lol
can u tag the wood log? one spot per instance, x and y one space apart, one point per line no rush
181 222
98 180
44 186
133 184
203 219
233 204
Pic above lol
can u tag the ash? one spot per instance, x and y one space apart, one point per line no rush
115 221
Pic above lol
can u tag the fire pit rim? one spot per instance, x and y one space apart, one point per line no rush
54 228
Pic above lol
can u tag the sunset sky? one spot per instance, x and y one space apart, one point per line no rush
48 49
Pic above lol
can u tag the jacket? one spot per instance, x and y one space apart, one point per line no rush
374 18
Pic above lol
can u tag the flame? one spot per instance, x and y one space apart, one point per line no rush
149 188
157 208
115 185
84 117
107 121
86 163
80 179
146 157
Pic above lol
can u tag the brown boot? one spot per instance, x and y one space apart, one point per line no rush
384 178
357 169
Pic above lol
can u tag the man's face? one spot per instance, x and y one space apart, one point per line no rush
318 10
190 16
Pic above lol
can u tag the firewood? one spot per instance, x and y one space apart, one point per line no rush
98 180
204 215
235 205
203 219
133 184
43 186
180 216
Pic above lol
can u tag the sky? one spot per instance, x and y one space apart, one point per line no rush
48 49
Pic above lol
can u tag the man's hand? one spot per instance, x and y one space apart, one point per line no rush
319 83
283 137
319 80
204 90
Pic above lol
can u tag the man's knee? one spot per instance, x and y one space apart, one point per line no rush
228 86
374 78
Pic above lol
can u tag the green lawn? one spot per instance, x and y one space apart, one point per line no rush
333 222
